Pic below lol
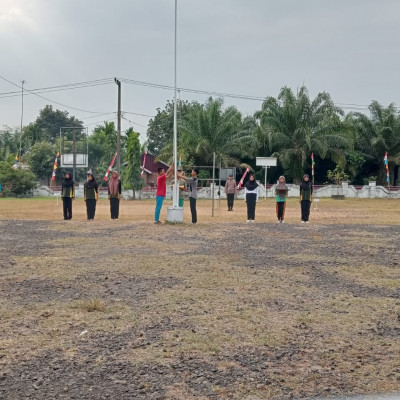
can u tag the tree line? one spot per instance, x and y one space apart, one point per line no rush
289 127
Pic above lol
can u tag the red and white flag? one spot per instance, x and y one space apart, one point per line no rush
109 168
144 163
244 176
55 166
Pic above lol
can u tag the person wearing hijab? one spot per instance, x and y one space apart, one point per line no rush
251 197
91 195
67 194
114 194
281 191
306 191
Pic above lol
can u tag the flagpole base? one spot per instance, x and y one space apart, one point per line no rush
175 215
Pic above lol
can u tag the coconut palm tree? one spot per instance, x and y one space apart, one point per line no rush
376 134
210 129
297 126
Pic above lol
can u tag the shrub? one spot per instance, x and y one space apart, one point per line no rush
16 181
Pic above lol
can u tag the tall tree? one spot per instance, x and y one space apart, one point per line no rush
161 127
131 175
102 147
376 134
9 143
41 159
47 126
210 129
297 126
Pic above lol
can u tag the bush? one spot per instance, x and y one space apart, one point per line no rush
17 181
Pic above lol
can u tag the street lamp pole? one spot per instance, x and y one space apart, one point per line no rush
175 195
119 126
175 213
22 118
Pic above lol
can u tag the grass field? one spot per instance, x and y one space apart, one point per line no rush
349 211
219 310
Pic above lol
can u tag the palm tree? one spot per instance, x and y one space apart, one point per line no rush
296 127
210 129
376 134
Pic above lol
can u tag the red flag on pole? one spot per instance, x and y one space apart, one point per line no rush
244 176
144 163
55 166
109 168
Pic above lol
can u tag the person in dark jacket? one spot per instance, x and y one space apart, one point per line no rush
114 194
67 194
251 197
306 191
91 195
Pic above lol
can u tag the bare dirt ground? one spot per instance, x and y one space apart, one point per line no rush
219 310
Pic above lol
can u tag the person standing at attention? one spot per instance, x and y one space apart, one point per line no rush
306 191
230 190
281 192
114 194
90 195
251 197
161 190
67 194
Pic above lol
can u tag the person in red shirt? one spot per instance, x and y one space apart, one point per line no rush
161 190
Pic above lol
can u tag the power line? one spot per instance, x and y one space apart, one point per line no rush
59 88
135 123
52 101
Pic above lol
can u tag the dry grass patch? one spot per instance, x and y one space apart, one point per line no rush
349 211
372 275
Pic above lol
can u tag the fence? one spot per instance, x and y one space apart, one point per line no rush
370 191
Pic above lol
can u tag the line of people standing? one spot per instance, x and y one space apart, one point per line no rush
281 191
91 195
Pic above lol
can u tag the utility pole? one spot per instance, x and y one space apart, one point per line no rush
119 127
73 154
22 117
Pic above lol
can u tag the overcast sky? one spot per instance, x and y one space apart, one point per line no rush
349 48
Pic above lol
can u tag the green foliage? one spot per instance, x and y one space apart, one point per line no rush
337 176
102 147
17 181
366 181
41 159
209 128
376 134
161 128
131 175
354 161
203 176
47 126
9 143
297 126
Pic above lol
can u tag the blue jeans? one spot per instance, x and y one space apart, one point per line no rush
159 203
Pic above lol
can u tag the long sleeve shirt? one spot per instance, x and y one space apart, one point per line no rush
254 191
230 187
192 187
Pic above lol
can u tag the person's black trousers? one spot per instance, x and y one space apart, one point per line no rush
67 207
90 208
114 207
280 210
193 209
251 205
305 209
230 197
